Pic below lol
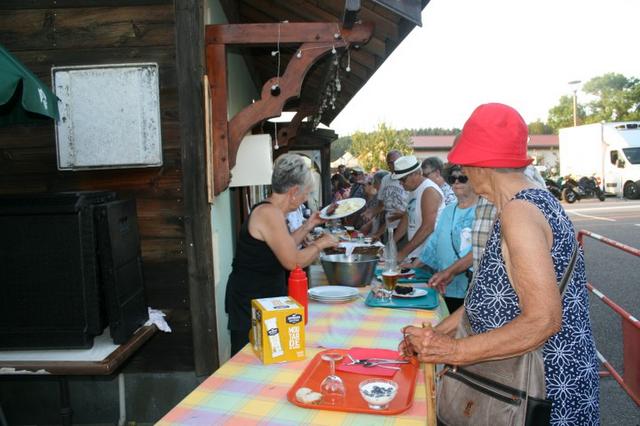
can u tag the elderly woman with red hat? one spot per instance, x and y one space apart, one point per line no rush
529 293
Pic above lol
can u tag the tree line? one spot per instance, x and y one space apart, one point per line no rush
610 97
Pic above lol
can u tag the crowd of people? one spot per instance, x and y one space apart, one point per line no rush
496 241
498 245
410 198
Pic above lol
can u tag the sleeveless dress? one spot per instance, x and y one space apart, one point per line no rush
571 365
256 273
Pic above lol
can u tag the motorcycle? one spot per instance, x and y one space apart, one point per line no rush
585 187
554 188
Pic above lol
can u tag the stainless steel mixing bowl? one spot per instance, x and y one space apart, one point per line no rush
355 271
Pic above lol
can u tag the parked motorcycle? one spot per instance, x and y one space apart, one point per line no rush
554 188
585 187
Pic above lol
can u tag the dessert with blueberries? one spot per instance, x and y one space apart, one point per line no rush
404 289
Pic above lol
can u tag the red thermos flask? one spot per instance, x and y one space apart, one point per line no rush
298 286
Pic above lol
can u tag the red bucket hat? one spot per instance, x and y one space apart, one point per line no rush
495 135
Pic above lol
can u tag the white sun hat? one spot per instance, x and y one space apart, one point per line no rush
404 166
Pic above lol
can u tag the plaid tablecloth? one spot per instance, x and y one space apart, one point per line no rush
245 392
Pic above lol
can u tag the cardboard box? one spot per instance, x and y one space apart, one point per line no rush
277 329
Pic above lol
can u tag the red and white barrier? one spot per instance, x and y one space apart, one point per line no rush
630 380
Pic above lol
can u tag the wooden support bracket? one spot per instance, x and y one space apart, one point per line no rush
317 40
286 133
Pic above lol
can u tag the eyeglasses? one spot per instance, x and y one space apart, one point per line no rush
461 178
404 178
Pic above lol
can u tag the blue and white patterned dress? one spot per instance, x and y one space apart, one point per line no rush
571 365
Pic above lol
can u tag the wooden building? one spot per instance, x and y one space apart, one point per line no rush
187 241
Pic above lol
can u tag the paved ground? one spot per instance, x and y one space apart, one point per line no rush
616 274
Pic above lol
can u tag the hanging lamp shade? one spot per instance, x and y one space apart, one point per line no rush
24 98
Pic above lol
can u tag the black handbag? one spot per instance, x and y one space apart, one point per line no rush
508 391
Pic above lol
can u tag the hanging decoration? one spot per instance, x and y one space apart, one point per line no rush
333 87
275 88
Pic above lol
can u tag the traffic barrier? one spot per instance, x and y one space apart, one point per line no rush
630 380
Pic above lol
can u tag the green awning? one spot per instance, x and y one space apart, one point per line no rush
23 97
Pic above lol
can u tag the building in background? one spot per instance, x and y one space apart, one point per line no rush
542 148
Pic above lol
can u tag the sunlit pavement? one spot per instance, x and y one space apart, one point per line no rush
617 275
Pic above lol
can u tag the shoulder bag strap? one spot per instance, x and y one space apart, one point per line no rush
569 271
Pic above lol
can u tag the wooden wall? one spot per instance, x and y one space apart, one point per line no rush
44 33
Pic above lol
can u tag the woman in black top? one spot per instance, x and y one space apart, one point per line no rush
265 248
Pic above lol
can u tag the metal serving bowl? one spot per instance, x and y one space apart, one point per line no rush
355 271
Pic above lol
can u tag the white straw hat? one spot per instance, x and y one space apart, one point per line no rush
404 166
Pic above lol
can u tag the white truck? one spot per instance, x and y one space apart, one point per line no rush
609 151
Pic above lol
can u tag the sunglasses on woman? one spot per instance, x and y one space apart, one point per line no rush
461 178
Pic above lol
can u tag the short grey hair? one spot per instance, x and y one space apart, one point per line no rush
433 163
377 177
509 169
290 170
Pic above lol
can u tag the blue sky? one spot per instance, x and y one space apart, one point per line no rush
519 52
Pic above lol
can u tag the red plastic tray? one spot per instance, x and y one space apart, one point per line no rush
318 369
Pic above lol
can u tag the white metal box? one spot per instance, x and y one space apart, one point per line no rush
109 116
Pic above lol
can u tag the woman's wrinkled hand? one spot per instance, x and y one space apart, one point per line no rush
440 280
428 345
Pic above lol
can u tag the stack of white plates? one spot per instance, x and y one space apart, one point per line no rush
333 294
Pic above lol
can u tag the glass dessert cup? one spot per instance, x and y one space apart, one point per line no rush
378 392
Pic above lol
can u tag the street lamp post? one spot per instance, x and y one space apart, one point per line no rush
574 84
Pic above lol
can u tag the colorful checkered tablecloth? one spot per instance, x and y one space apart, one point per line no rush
245 392
357 325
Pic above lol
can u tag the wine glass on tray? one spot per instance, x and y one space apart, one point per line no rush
332 387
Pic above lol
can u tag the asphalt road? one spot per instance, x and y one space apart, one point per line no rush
616 274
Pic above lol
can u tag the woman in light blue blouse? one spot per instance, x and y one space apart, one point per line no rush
448 249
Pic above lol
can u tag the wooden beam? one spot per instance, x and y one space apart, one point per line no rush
287 33
217 73
65 4
270 105
197 219
231 11
275 92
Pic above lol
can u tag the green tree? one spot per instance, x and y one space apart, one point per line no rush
371 148
434 131
561 115
339 147
539 128
614 98
617 98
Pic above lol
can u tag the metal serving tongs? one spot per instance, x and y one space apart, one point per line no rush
377 362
